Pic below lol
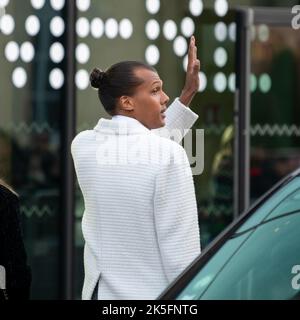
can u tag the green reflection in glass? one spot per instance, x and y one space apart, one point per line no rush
265 83
253 83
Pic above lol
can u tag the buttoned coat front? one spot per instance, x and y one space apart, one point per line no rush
140 223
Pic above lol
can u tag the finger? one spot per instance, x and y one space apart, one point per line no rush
191 53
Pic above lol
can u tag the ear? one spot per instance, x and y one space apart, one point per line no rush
126 103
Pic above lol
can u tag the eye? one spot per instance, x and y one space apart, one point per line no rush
155 90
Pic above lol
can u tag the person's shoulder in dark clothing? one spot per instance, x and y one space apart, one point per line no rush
12 251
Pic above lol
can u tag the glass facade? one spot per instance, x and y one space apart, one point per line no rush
33 97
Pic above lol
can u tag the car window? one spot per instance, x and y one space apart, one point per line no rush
202 280
262 268
257 262
266 208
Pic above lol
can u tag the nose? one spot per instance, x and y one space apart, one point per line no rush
165 99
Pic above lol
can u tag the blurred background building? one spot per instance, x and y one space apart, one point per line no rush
48 48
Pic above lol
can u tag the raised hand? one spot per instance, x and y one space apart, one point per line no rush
192 80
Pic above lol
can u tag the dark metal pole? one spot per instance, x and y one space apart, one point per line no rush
68 192
242 111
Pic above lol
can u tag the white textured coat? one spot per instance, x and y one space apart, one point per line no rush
140 223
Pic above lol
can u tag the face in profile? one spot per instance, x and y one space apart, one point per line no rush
149 101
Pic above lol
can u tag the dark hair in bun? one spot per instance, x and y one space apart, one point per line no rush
119 80
96 78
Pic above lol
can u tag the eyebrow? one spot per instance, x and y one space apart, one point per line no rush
159 81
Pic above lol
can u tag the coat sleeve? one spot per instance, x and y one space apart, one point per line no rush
175 216
179 119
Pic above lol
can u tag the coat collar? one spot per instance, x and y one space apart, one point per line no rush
120 126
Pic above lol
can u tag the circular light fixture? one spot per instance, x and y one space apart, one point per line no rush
152 6
152 29
125 28
265 83
7 24
220 57
97 28
19 77
83 5
187 27
27 51
180 46
152 55
57 52
232 31
57 26
82 79
263 33
202 81
221 7
185 62
220 82
11 51
37 4
220 31
170 29
82 53
231 82
253 82
82 27
57 4
196 7
56 78
111 28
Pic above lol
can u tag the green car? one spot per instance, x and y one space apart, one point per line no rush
256 258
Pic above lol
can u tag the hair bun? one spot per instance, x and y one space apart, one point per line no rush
96 78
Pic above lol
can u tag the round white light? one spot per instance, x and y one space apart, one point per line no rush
220 82
152 29
180 46
57 26
27 51
221 7
19 77
83 5
232 31
32 25
170 29
97 28
111 28
57 52
125 28
37 4
253 82
12 51
7 24
4 3
202 81
82 53
231 82
196 7
152 55
220 57
263 33
82 79
82 27
56 78
265 83
152 6
220 31
187 26
57 4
